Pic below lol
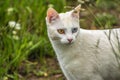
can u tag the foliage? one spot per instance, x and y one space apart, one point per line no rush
106 4
23 33
104 20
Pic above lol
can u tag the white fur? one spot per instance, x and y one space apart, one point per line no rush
91 56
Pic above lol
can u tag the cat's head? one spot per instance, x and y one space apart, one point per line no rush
63 27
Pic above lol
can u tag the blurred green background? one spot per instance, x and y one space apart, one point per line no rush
25 51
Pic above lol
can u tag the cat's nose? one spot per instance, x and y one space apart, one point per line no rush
70 40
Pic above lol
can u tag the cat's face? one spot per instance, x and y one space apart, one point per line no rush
63 27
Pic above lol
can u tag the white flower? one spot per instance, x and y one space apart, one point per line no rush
12 24
15 25
14 32
10 9
15 37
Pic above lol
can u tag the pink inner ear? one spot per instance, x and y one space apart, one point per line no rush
52 14
75 14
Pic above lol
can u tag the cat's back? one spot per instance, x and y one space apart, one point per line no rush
112 34
100 32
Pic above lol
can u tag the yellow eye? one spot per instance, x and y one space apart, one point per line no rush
61 31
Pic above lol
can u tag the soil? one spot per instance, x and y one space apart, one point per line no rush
47 70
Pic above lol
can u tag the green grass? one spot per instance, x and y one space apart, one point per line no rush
30 40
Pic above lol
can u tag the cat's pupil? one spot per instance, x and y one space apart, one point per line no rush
74 30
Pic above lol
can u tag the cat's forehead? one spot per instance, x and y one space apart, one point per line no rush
67 19
64 16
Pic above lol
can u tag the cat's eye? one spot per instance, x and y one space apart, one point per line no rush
74 30
61 31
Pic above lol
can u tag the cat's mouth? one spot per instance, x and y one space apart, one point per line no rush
69 43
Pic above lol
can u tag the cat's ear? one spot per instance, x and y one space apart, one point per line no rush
76 11
52 15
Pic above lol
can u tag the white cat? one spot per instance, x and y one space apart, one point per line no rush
83 54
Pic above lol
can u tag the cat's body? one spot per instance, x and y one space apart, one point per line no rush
91 55
88 58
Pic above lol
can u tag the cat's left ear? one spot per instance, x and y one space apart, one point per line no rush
76 11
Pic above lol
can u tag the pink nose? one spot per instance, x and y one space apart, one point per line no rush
70 40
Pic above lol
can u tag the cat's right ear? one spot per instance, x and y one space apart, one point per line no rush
52 15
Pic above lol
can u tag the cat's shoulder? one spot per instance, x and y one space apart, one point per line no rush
99 31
